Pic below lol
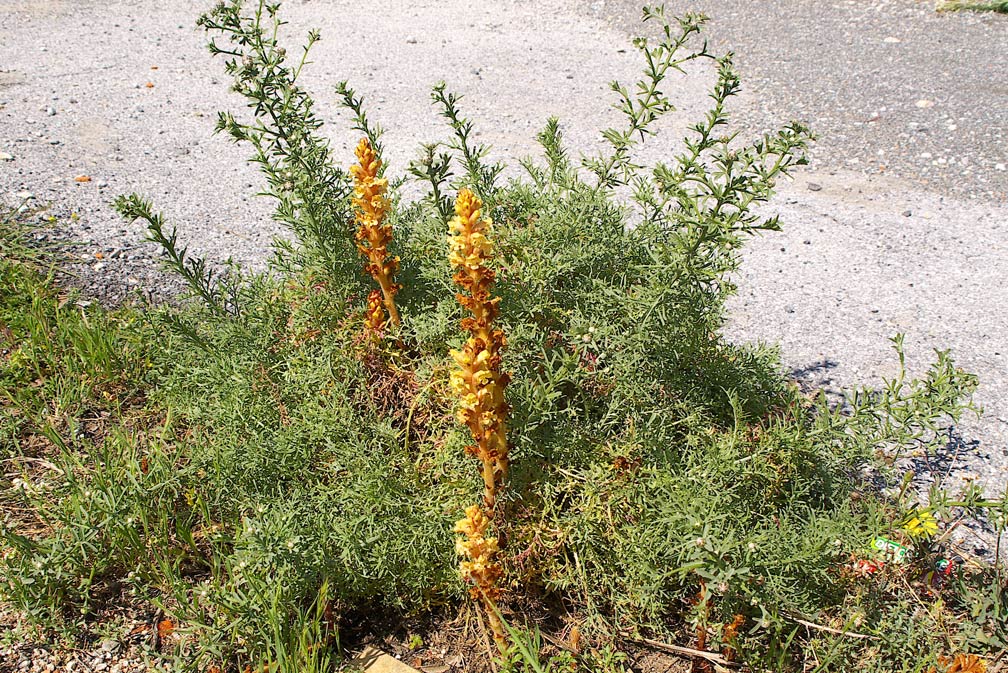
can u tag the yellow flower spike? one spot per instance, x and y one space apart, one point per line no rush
373 236
479 384
479 381
479 569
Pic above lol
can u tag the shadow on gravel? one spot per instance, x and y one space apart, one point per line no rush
812 371
952 467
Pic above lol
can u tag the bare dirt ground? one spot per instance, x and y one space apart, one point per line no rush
899 225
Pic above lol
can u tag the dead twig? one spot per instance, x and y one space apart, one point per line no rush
687 652
830 629
40 461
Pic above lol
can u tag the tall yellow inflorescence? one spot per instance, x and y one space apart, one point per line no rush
373 234
479 569
478 381
479 384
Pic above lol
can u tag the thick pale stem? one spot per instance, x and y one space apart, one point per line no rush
489 486
389 300
496 625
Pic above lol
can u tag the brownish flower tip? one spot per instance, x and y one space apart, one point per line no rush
729 636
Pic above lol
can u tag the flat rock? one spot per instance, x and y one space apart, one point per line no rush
373 660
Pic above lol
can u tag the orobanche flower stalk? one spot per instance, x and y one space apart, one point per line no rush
479 384
478 381
373 235
479 569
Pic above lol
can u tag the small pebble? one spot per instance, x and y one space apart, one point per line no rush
814 187
51 111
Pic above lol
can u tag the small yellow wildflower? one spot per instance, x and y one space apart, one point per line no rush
921 524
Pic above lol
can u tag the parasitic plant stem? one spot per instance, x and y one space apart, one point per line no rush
478 381
373 234
479 384
479 569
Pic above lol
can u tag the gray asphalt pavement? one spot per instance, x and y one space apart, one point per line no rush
891 87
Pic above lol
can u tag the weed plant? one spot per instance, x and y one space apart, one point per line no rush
266 469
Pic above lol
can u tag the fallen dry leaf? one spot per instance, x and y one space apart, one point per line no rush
149 85
165 628
574 640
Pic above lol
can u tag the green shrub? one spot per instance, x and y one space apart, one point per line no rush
290 471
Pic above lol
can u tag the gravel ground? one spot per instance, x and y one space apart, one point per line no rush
900 224
890 86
